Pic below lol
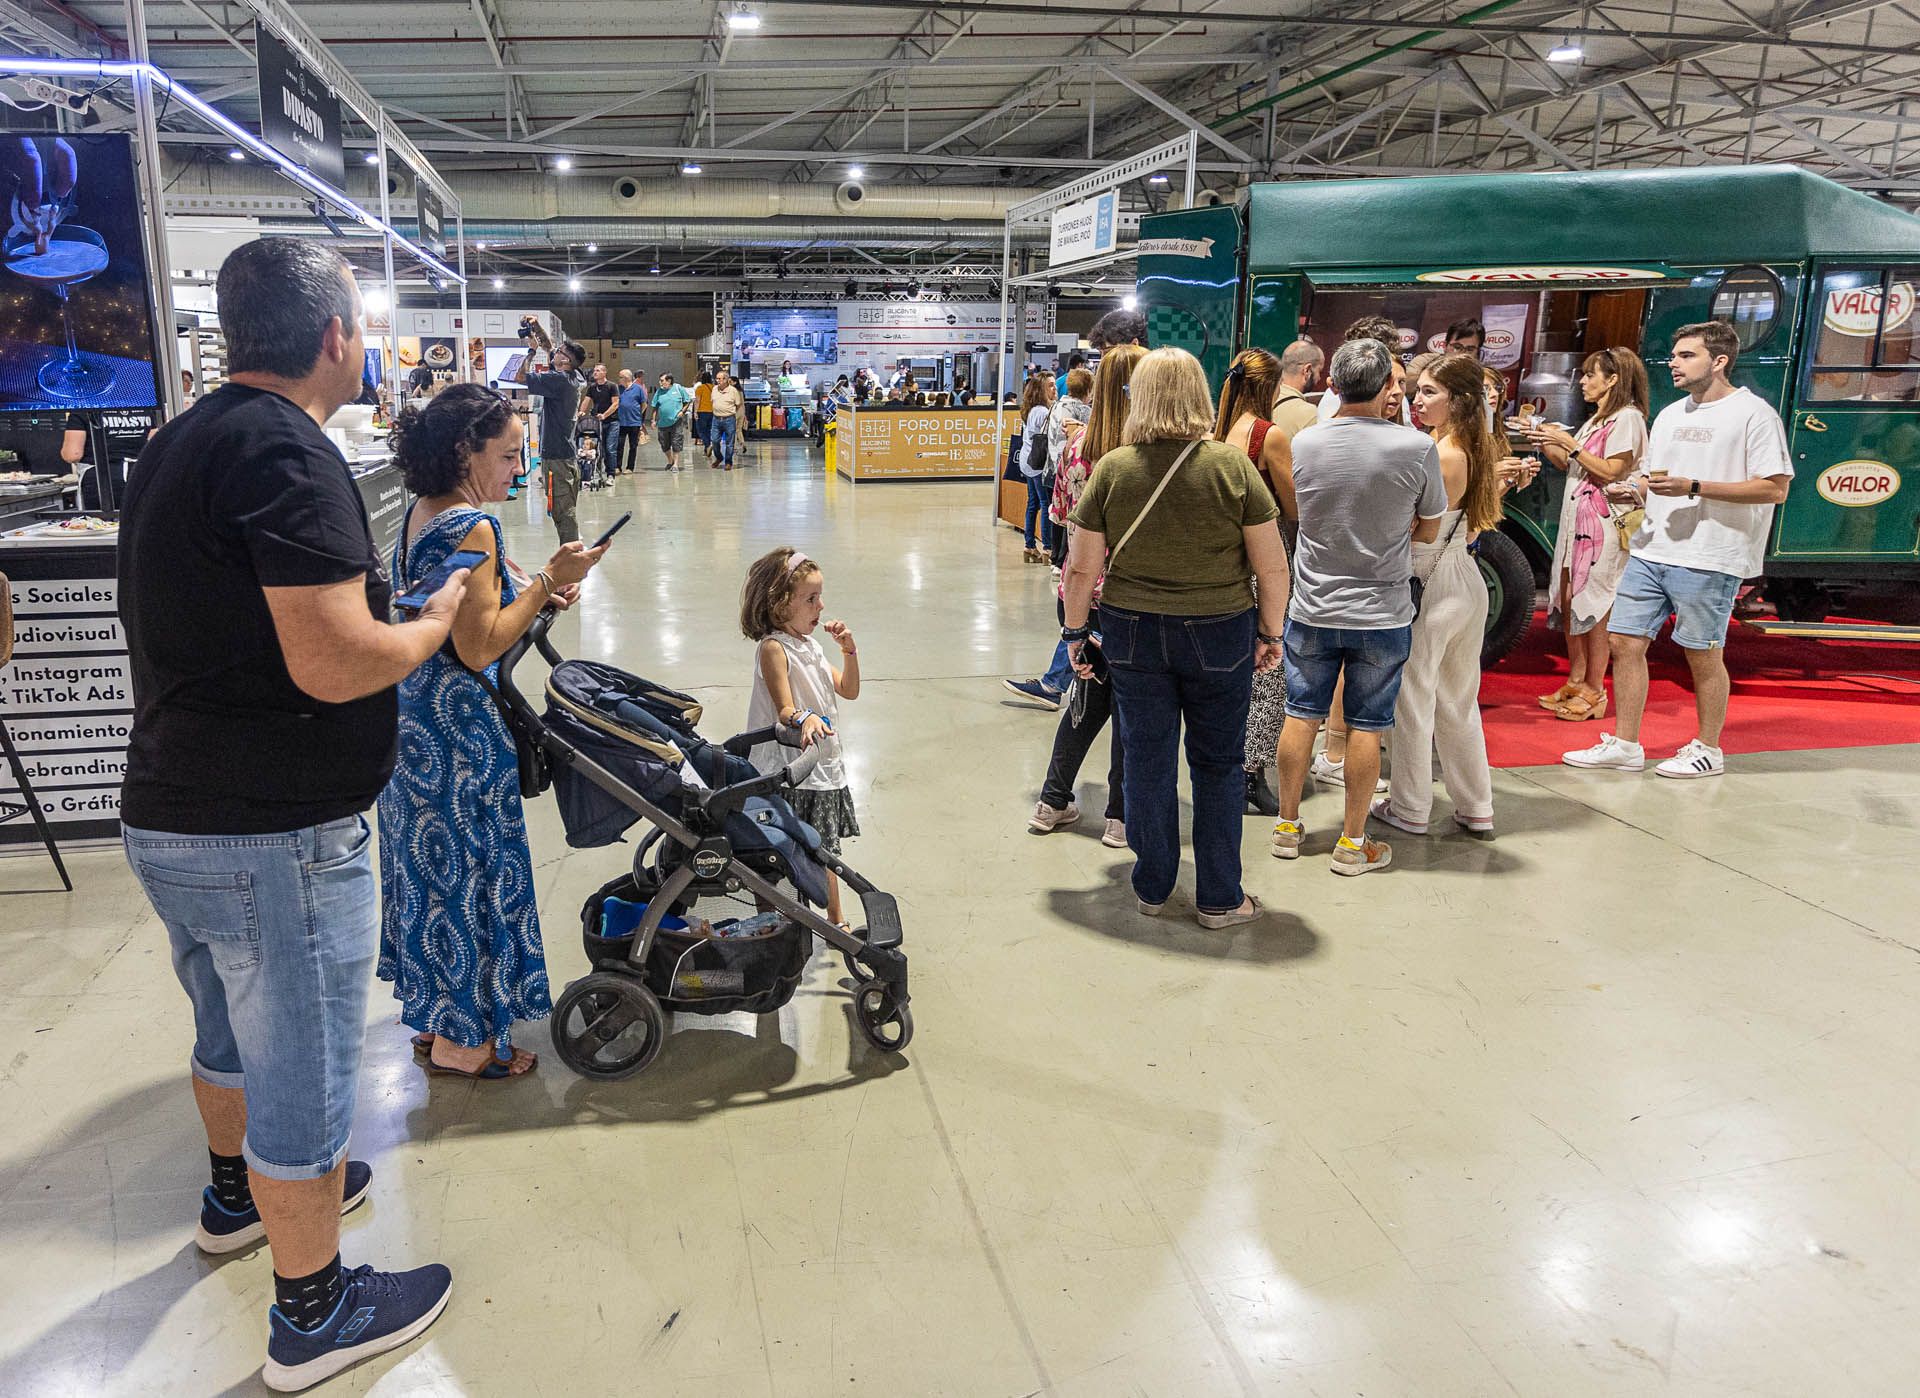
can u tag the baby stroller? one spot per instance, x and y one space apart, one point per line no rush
586 455
618 749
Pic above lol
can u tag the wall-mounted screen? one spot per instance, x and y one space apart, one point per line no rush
76 329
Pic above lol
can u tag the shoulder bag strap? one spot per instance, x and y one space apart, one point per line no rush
1152 500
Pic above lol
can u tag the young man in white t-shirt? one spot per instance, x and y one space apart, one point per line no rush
1715 467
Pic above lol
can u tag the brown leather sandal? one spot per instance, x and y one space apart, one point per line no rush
1588 703
1559 696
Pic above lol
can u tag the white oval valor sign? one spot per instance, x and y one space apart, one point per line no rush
1475 276
1857 483
1856 310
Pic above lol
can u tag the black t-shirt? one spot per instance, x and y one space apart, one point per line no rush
122 432
241 492
602 396
559 396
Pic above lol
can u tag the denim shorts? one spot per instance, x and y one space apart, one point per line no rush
274 939
1373 660
1699 601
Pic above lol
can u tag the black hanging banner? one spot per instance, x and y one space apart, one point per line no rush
299 115
432 218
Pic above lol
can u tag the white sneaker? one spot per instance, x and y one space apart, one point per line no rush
1383 812
1610 752
1335 773
1696 759
1047 819
1115 835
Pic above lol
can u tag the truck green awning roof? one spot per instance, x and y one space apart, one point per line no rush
1535 276
1697 217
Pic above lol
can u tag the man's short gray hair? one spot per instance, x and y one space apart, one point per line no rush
1301 354
1360 369
277 296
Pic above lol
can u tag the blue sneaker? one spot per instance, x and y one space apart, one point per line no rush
1034 690
378 1311
222 1231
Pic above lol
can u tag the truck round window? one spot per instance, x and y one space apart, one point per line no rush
1749 299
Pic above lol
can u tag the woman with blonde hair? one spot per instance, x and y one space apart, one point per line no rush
1182 525
1244 422
1439 702
1588 557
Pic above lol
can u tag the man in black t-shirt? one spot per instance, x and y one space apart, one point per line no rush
602 399
264 668
116 433
558 390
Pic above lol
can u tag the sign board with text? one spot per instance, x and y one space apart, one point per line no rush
299 115
932 444
881 332
1086 229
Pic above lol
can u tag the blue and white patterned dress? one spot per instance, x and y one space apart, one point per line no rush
459 929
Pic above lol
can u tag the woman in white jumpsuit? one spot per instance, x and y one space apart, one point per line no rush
1439 702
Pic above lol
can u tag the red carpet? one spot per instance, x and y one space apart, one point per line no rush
1788 694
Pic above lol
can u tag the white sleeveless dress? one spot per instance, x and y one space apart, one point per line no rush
823 800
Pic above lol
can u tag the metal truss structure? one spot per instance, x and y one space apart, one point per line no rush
1031 94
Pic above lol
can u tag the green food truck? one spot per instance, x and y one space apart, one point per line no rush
1819 281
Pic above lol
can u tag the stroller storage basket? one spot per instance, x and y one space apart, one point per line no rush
696 974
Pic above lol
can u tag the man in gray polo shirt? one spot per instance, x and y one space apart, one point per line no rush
1367 488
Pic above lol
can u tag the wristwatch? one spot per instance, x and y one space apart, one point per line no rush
1693 490
1270 640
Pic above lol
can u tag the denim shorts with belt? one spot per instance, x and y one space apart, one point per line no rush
1166 669
274 938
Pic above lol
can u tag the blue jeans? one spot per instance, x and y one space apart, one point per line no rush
274 939
1059 674
1037 504
724 429
1165 669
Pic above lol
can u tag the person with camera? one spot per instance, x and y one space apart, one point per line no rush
558 389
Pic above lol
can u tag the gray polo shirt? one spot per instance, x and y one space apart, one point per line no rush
1360 482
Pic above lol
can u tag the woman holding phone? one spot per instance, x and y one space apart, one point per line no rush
459 932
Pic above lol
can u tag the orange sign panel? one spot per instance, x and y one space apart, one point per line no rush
923 444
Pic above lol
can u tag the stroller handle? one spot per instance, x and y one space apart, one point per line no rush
535 638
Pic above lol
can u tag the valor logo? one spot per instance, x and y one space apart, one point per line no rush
1855 484
1855 310
1478 276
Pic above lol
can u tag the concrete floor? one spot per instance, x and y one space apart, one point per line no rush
1625 1102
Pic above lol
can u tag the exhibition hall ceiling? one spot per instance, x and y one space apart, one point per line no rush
906 99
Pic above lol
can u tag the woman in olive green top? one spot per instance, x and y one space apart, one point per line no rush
1180 523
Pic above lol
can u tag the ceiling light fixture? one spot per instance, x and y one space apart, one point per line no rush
1156 179
655 269
563 162
743 19
1129 302
1566 51
854 172
236 155
689 167
499 283
573 283
479 247
593 247
372 157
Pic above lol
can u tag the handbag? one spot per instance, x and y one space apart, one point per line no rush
1036 458
1416 584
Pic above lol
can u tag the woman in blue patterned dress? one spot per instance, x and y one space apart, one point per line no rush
459 931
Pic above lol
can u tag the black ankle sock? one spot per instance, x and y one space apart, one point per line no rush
230 1184
306 1302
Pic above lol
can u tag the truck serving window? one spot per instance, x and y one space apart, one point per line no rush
1749 299
1864 348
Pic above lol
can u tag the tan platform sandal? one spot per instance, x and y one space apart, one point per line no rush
1559 696
1586 704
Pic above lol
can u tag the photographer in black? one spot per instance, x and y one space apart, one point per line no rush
558 389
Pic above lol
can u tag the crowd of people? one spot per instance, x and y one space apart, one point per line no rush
1256 567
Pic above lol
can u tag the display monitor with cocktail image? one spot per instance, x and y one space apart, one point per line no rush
75 326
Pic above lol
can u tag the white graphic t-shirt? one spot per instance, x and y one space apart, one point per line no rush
1736 438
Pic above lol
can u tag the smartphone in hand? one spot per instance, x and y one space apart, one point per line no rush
417 596
614 528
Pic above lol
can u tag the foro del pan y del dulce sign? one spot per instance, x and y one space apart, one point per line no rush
1858 483
1477 276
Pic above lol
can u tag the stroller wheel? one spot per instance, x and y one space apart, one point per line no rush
861 974
887 1024
608 1026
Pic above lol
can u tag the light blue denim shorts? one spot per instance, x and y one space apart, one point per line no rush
1699 601
274 939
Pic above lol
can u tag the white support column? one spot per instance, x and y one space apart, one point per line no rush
159 261
393 293
466 317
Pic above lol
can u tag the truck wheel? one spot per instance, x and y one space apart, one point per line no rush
1798 599
1509 579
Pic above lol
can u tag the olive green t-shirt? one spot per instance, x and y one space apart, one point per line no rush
1189 557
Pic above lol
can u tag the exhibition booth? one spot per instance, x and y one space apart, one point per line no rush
91 362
